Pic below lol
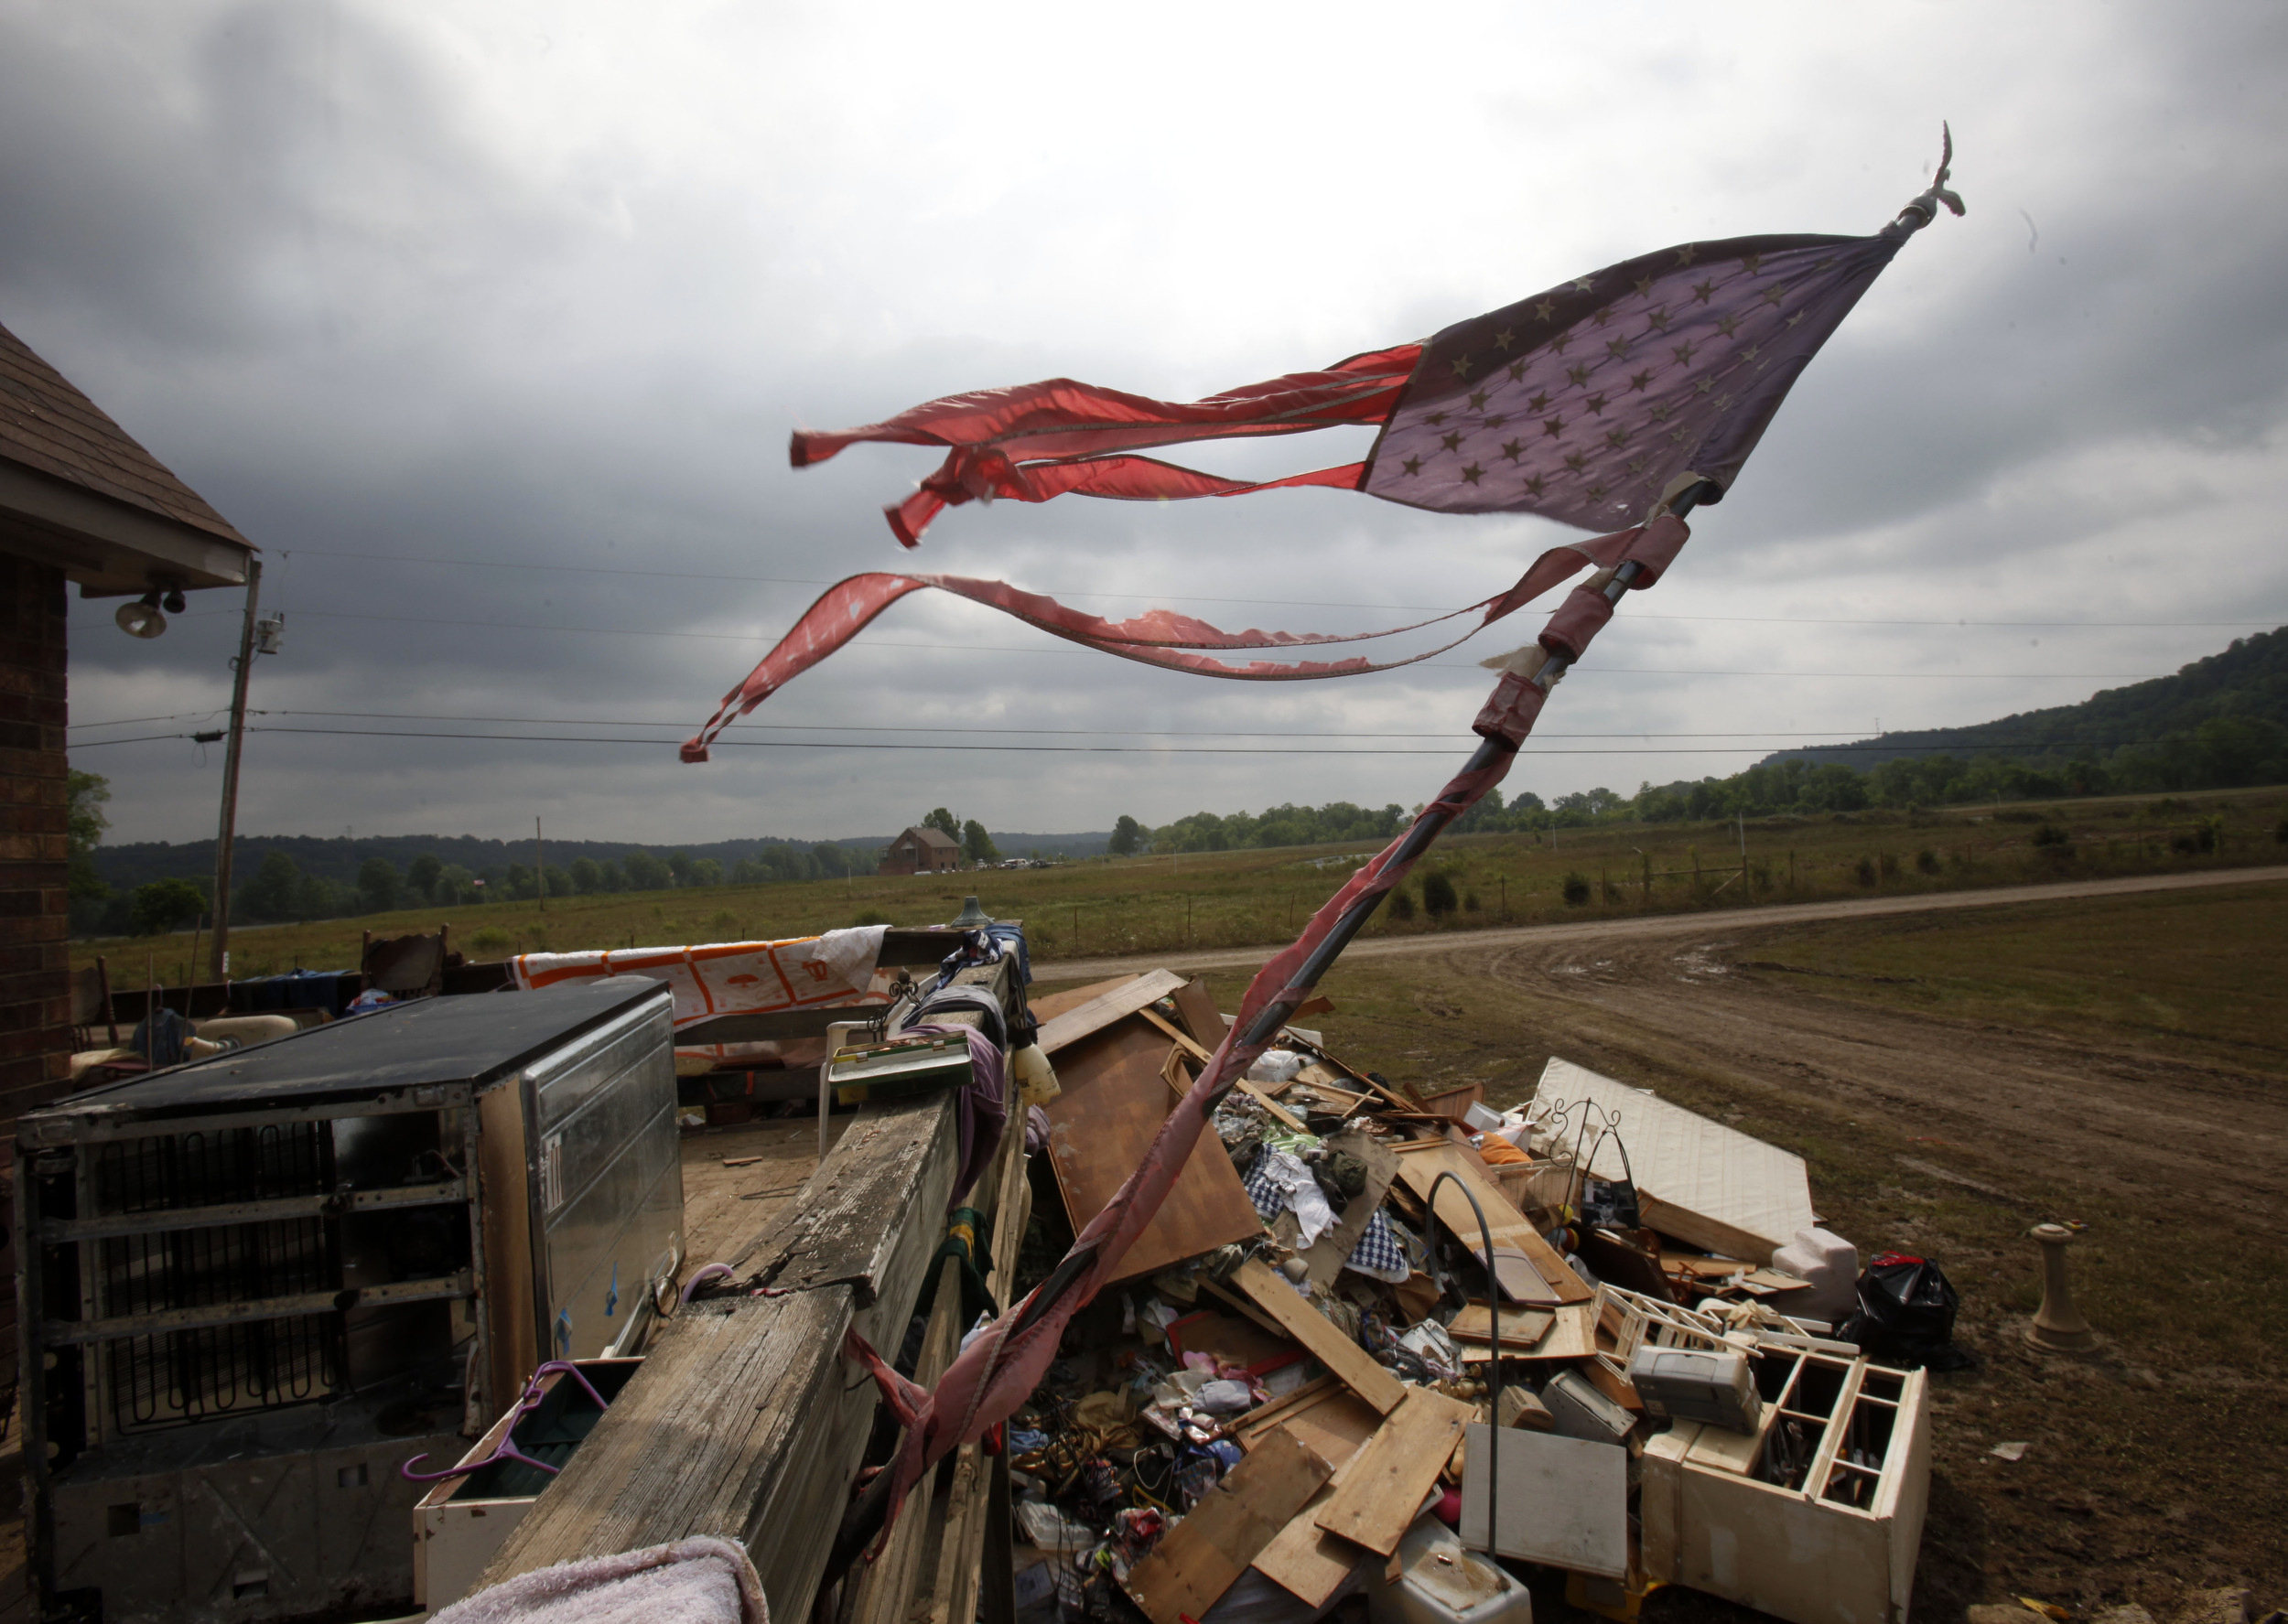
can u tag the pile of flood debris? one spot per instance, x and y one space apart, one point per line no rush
1375 1336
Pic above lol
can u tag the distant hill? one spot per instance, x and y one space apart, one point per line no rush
336 860
2246 681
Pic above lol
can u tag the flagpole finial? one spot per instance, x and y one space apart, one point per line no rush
1922 210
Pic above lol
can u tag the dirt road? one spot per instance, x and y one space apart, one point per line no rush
1647 926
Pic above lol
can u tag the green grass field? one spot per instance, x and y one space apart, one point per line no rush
1249 897
2188 971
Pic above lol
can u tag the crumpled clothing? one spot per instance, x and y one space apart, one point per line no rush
984 1102
1342 1173
1279 1182
700 1580
1105 1410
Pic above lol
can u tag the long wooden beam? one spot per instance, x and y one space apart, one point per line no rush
742 1421
745 1421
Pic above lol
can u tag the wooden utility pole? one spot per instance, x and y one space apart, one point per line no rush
540 868
221 962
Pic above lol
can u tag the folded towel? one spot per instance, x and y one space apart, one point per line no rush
701 1580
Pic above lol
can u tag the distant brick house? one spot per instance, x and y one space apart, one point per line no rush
921 851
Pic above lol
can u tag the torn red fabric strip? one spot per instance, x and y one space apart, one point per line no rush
1062 417
1036 441
1159 636
981 476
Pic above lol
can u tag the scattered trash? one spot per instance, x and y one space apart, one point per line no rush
2011 1451
1268 1411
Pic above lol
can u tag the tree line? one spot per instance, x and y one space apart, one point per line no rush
2224 753
280 891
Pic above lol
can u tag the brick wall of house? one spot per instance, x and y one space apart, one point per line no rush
35 985
35 973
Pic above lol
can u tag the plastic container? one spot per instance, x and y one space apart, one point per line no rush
1581 1411
1830 1264
1036 1079
1440 1583
1697 1384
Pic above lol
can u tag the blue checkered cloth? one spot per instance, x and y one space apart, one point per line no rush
1267 1194
1378 1252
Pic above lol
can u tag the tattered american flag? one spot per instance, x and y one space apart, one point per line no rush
1581 404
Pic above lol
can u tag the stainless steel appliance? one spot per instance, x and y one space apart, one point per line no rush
252 1287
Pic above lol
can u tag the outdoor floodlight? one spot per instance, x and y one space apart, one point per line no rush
142 617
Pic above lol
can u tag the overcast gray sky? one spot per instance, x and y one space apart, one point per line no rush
487 321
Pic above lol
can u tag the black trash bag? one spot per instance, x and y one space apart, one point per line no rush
1906 1318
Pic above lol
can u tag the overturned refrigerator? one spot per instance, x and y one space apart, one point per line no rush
254 1287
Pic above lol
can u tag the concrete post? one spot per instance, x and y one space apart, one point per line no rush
2058 1326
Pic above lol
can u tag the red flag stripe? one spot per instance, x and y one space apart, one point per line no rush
1159 637
981 476
1062 418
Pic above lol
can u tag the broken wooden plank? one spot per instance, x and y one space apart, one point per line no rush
744 1421
1572 1334
1386 1486
1350 1364
1195 1009
1176 1034
1268 1414
1202 1556
1523 1260
1104 1009
1114 1100
1241 1305
1326 1257
1521 1327
1335 1428
1307 1560
1047 1006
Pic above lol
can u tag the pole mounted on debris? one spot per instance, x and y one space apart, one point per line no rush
220 964
1426 829
1494 1317
1418 840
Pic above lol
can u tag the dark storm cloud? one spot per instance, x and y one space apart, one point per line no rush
322 266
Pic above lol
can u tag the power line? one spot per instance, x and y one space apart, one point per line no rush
603 569
685 724
791 744
994 647
2006 676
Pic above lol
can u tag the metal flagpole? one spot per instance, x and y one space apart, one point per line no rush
1418 840
221 963
1427 829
